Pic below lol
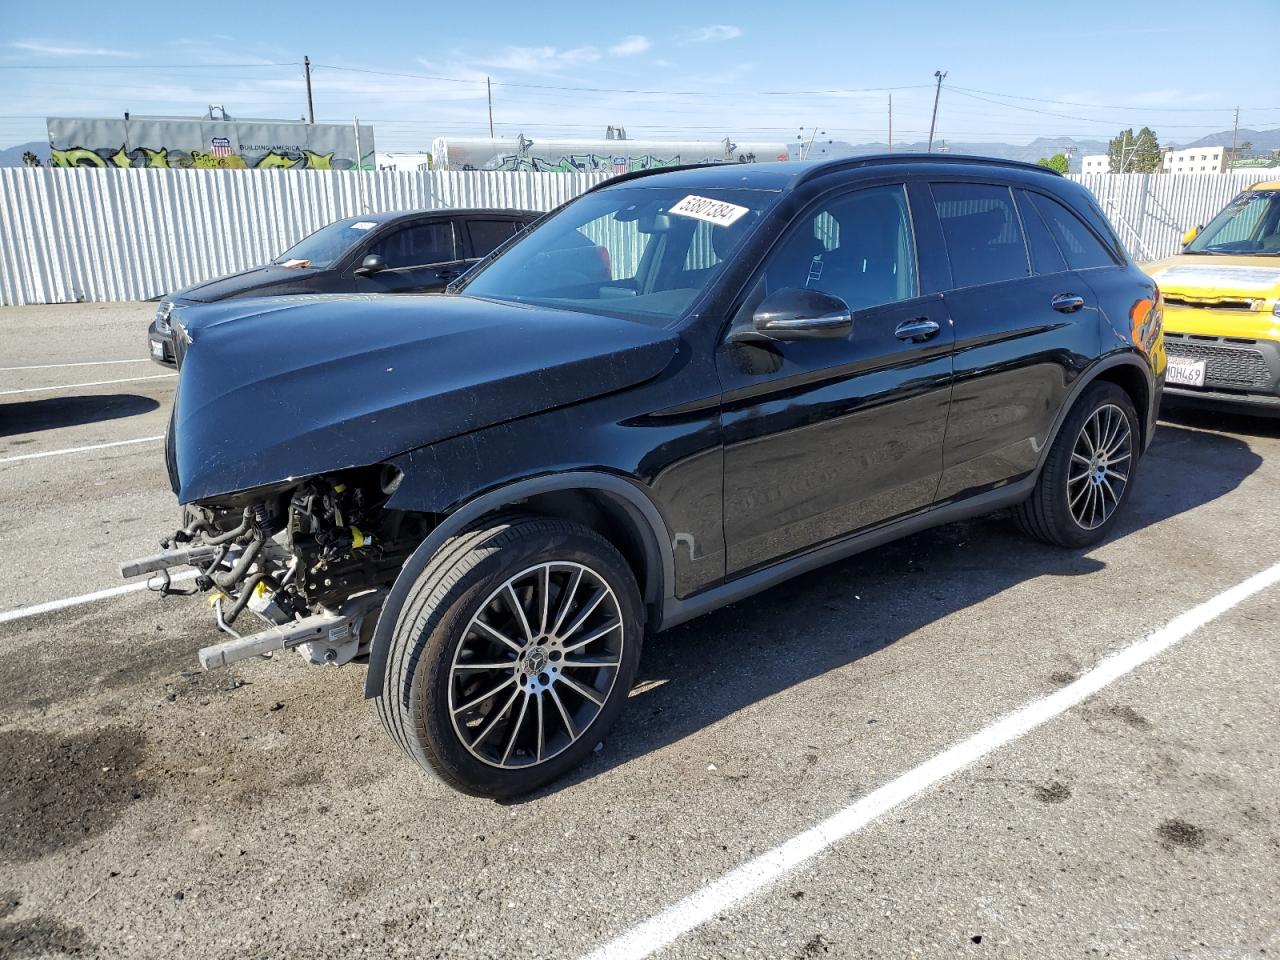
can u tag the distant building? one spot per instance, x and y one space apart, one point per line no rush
1196 160
1254 161
411 162
1095 163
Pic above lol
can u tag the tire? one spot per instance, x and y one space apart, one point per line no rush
1088 473
497 704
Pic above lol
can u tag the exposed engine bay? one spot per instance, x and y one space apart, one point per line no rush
313 561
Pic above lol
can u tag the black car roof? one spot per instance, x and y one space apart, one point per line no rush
387 216
788 174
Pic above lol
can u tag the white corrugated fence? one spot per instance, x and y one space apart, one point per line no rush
1152 211
129 234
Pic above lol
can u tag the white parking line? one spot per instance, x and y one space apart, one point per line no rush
92 446
755 875
92 383
82 363
54 605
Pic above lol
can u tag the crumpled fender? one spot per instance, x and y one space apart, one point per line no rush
276 389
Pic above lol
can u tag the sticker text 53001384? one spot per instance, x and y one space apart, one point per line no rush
719 212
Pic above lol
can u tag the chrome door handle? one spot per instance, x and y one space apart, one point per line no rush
1067 302
917 331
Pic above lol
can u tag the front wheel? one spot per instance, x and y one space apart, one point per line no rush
1088 472
513 654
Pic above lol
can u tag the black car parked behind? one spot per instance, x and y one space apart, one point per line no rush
681 388
400 252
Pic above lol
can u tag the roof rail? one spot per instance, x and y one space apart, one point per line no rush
637 174
876 159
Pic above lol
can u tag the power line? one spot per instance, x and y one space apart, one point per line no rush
1104 106
1067 116
579 89
143 66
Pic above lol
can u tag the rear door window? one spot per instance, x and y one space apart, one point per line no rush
1046 258
418 245
982 233
487 235
1078 243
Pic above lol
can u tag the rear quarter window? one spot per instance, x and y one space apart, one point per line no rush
982 233
1046 258
1078 243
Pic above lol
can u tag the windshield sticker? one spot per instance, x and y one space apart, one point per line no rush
712 211
364 225
1250 279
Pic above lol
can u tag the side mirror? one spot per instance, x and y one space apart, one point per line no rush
370 265
794 313
1190 235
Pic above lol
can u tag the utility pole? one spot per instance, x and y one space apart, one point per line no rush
941 75
489 90
1235 131
360 188
311 108
812 137
891 123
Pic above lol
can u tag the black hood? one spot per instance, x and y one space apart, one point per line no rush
244 283
290 387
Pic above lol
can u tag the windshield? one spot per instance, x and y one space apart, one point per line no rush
322 248
1249 224
640 253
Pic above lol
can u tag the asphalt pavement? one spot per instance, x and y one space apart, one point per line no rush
148 809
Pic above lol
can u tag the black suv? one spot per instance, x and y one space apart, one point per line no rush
679 389
416 252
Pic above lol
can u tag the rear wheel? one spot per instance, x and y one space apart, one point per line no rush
1088 472
513 654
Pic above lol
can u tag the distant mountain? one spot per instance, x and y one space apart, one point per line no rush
1259 140
12 156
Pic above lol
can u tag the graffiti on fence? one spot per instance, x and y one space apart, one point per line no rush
206 144
582 163
195 159
591 156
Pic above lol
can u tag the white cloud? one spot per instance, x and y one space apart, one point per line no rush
60 50
545 59
540 59
629 46
709 34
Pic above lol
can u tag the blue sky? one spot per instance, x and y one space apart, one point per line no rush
701 71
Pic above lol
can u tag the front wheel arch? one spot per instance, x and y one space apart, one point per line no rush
634 526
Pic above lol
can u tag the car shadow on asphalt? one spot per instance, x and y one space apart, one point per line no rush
699 673
1176 412
33 416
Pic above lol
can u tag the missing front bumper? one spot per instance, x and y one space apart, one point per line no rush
330 637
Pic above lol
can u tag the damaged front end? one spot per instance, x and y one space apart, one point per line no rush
289 414
312 560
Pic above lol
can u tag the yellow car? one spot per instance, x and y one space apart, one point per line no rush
1222 304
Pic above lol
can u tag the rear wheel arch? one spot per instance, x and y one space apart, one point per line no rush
616 508
1130 378
1127 370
